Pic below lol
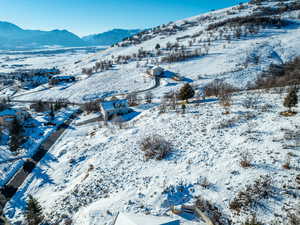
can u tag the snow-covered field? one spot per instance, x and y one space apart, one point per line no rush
95 172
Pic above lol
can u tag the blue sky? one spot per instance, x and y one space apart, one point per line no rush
84 17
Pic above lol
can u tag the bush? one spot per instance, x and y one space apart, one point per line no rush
252 195
212 211
40 106
132 99
155 147
218 88
245 160
252 221
149 97
90 107
280 76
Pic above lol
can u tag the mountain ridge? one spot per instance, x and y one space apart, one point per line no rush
110 37
14 37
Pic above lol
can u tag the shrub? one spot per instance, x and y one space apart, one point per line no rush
280 76
40 106
90 107
287 164
252 221
132 99
252 195
214 213
226 101
218 88
155 147
149 97
245 160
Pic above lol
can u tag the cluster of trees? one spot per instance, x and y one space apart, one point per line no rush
256 20
182 55
98 67
280 75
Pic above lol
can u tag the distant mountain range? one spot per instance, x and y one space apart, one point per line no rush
109 37
14 38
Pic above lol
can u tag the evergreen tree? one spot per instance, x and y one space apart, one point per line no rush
291 99
51 113
14 143
16 127
15 135
157 47
33 212
186 92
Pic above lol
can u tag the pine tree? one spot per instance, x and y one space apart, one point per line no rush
291 99
33 212
51 113
157 47
16 127
186 92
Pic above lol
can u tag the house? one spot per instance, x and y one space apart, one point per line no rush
8 115
58 79
114 107
133 219
155 71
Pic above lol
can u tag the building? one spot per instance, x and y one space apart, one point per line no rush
155 71
8 115
132 219
114 108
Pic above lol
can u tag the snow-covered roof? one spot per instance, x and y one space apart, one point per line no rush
132 219
111 105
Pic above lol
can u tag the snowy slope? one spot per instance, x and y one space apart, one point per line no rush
239 61
94 172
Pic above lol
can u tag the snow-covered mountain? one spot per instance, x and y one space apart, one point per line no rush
14 37
110 37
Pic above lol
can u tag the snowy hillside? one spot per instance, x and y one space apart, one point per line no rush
96 171
237 160
228 44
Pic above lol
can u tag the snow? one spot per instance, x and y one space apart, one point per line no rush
96 170
122 181
130 219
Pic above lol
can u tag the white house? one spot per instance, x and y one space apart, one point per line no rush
156 71
132 219
114 107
